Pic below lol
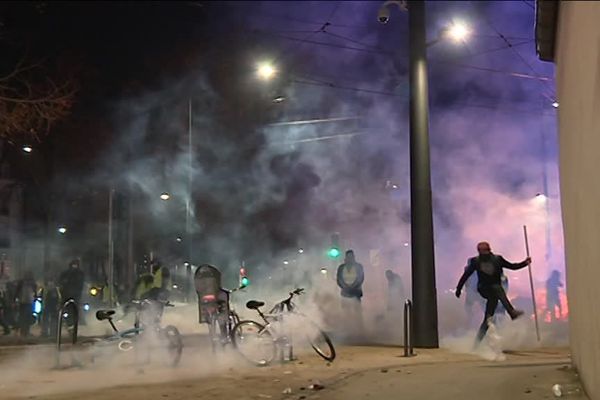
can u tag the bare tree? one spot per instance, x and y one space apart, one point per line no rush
31 101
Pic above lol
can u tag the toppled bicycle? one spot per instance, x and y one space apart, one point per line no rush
261 342
146 338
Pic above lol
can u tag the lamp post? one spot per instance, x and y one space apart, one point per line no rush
424 290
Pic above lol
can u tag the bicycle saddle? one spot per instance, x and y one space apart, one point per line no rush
104 314
254 305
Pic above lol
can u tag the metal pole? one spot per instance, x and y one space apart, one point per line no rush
408 329
537 327
130 263
423 263
188 205
111 277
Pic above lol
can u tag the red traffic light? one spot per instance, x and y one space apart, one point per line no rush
242 271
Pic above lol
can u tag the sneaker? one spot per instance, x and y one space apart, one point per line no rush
516 314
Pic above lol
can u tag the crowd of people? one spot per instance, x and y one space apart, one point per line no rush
25 301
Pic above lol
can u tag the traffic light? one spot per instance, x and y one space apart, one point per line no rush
334 250
244 281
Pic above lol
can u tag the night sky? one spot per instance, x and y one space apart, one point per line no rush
262 189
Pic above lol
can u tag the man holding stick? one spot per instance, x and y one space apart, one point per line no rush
489 268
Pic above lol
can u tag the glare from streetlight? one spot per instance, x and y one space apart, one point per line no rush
300 250
458 32
285 262
62 230
540 198
278 99
555 104
27 149
178 239
266 71
165 196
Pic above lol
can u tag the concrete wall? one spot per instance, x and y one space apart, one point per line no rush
578 87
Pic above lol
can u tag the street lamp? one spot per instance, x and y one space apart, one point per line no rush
266 71
27 149
458 32
62 230
165 196
422 244
555 104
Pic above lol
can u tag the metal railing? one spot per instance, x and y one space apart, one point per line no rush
408 329
72 307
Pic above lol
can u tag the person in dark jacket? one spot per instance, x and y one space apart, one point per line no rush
350 277
71 282
25 295
489 269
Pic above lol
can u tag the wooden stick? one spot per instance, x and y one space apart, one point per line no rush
537 326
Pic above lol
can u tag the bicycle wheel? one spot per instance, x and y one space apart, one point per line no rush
319 341
213 332
254 342
174 344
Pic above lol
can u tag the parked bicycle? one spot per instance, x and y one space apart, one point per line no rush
260 342
147 334
214 306
220 317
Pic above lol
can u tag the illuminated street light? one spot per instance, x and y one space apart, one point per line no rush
300 250
62 230
178 239
405 244
285 262
266 71
540 198
278 99
458 32
27 149
165 196
324 271
555 104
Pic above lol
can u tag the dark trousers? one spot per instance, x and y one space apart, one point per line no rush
493 294
25 319
50 320
4 321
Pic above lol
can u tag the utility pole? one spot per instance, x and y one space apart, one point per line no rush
111 267
188 205
424 291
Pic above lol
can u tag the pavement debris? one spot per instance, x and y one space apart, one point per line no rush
287 391
384 370
316 386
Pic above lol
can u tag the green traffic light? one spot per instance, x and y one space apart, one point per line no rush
245 281
333 252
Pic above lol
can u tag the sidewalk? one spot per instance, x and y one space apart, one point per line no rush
359 372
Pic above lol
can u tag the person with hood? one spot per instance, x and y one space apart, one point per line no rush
350 277
71 282
489 268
